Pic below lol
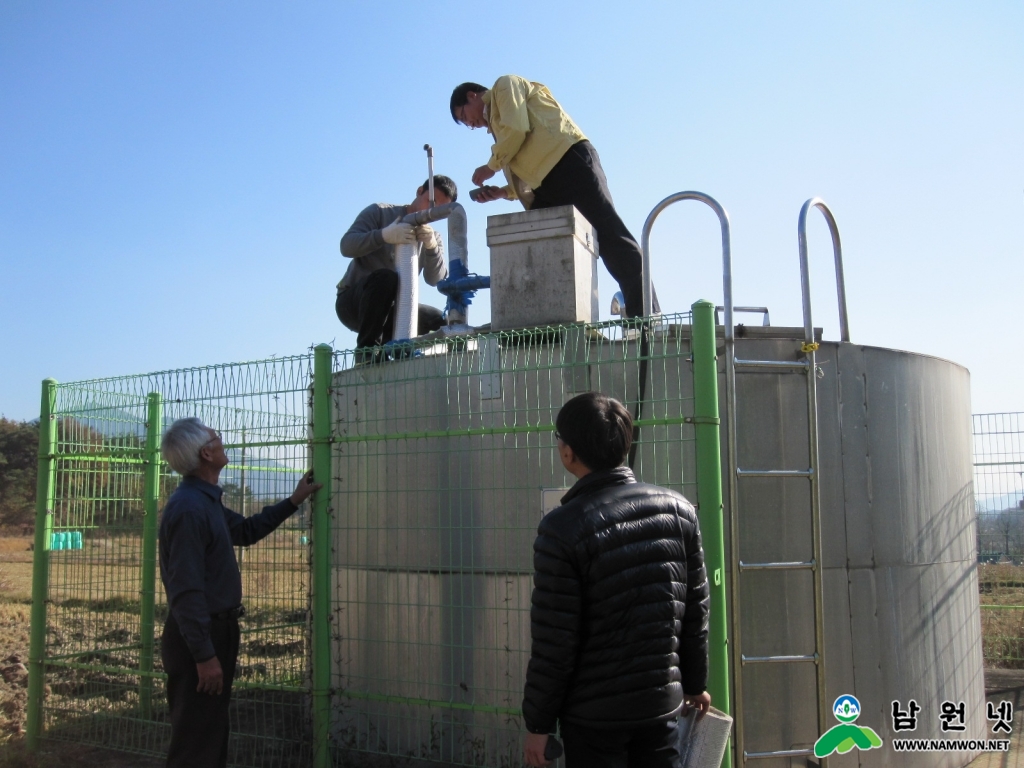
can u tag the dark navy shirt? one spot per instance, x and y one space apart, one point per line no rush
197 558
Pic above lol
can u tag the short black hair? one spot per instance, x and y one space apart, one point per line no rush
460 96
598 428
443 184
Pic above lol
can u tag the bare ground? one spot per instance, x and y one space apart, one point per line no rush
14 636
1005 685
15 605
14 755
15 610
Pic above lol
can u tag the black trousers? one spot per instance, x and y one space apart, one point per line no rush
655 746
199 721
367 307
578 179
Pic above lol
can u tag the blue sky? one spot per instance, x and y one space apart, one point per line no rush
175 177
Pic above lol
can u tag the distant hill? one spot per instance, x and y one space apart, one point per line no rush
996 504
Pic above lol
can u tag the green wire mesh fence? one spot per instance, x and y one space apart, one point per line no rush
999 496
442 463
442 470
102 658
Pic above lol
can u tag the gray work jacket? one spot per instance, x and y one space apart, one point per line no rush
364 244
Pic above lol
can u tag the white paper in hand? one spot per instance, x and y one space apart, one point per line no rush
702 742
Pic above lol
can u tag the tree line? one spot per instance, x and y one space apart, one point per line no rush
104 493
19 455
93 493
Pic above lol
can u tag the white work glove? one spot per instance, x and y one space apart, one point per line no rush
426 235
398 233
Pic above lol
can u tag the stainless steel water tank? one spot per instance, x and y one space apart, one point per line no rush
432 552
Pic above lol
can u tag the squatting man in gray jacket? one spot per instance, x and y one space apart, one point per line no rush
204 590
366 294
619 615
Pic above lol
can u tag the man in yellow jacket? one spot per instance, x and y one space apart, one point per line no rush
548 162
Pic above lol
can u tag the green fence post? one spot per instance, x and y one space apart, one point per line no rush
709 497
45 482
150 501
321 577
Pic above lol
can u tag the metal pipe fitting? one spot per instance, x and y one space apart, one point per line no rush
430 173
431 214
458 262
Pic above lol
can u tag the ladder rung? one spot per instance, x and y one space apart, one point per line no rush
778 753
775 472
792 566
778 659
784 364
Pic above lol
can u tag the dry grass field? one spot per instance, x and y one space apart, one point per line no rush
94 596
15 603
1002 627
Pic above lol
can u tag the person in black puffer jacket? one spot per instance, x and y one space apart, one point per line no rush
619 618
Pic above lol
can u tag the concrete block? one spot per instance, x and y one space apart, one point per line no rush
543 268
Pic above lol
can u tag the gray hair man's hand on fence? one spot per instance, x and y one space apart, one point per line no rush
305 489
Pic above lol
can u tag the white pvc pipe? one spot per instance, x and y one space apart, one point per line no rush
407 265
407 302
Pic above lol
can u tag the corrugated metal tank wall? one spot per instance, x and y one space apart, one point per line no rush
900 582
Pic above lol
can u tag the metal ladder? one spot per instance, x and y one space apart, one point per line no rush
808 367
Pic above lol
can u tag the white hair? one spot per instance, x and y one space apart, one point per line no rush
181 444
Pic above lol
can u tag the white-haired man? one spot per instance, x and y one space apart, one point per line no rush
204 590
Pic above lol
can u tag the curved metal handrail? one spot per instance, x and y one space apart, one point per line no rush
645 245
805 278
730 383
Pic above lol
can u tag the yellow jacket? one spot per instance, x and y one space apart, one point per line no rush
531 130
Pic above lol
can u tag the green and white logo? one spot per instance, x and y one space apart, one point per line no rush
845 736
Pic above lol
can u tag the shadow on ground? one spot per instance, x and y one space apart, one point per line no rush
1005 685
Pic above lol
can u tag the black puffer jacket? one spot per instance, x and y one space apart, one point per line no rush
620 607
